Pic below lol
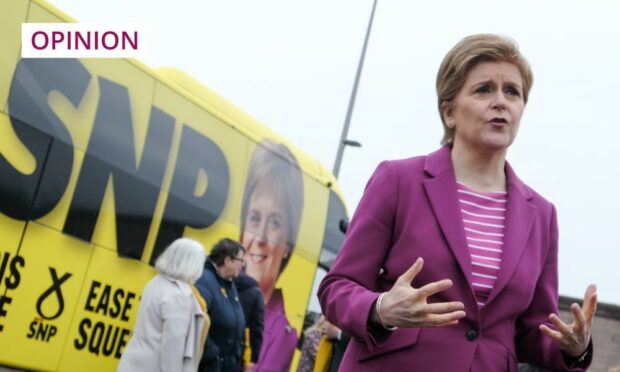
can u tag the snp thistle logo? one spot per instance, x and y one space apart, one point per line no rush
82 40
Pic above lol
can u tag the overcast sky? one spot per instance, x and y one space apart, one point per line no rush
291 65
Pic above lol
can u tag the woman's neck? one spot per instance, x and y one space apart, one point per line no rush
482 171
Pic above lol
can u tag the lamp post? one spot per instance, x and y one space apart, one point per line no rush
345 129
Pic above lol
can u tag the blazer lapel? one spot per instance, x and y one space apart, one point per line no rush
442 194
519 220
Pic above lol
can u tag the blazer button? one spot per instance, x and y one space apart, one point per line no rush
472 334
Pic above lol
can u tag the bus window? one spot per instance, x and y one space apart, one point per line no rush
335 227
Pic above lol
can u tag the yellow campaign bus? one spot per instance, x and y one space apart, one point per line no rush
103 163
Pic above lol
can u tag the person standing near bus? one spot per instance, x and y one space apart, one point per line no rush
223 349
451 261
254 312
172 324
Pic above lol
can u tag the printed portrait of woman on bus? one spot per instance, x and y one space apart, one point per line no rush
270 218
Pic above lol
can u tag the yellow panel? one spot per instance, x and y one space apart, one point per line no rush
44 302
313 220
296 284
13 14
230 141
106 312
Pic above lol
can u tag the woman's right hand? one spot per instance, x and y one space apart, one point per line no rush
405 306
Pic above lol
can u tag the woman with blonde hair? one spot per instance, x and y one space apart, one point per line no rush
172 322
450 262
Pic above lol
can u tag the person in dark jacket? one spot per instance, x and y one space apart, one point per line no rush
339 339
223 349
340 346
254 312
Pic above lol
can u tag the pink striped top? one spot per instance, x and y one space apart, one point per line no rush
484 219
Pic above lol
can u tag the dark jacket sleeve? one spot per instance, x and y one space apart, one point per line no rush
256 324
340 346
211 348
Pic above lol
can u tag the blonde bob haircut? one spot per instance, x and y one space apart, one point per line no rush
184 260
466 54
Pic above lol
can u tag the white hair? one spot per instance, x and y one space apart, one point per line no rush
184 260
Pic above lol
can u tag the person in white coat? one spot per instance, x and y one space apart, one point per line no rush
172 323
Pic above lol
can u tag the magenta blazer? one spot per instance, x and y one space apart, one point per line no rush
409 210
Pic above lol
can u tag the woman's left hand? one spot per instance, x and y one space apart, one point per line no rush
574 338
